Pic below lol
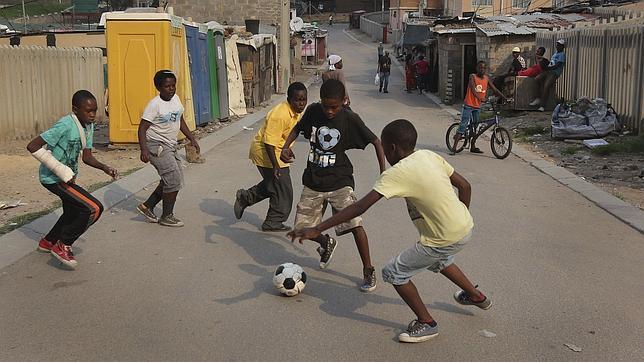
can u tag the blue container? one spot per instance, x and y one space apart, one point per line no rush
197 37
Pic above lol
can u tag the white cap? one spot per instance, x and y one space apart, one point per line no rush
561 41
516 50
333 60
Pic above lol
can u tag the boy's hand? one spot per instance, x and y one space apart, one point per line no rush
300 234
111 171
72 181
145 156
195 144
277 172
287 155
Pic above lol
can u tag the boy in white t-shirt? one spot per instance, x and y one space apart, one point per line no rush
441 216
160 124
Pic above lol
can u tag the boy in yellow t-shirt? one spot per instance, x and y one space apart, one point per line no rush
265 153
441 216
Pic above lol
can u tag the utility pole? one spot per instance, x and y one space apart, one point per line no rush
285 44
382 14
24 17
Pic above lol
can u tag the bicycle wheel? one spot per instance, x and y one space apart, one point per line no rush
449 139
501 143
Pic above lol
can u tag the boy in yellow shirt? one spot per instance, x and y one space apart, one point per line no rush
265 153
441 216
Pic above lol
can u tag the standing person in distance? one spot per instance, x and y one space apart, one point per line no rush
384 69
336 72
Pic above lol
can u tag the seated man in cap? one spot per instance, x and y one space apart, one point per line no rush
548 78
518 64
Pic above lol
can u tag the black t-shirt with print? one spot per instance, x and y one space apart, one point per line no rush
328 167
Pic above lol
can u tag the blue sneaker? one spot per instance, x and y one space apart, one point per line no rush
418 332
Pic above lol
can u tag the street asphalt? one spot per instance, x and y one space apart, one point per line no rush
558 269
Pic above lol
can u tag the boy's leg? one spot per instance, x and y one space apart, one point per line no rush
281 200
260 191
410 295
83 210
476 118
69 213
309 213
168 165
386 83
155 197
466 116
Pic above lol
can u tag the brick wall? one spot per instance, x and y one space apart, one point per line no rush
450 66
497 51
231 12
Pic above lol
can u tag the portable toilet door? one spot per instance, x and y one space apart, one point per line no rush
196 36
213 29
138 45
222 75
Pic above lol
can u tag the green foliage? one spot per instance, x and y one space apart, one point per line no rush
623 145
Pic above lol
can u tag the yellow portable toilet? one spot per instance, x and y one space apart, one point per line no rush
138 45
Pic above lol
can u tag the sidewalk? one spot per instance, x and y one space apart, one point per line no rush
624 211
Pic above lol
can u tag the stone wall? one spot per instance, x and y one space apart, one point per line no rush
497 51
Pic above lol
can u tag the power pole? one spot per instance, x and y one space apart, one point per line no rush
382 14
285 45
24 17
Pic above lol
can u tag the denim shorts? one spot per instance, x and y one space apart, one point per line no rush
468 114
419 257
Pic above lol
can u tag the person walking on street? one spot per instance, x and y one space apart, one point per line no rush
384 69
422 70
335 72
410 73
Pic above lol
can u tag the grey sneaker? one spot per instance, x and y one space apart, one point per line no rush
240 204
369 283
327 252
463 298
170 220
149 214
418 332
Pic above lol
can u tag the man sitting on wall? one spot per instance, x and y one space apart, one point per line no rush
518 64
539 67
548 78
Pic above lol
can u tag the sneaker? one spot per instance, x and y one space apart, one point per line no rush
170 220
149 214
240 204
535 102
418 332
540 109
463 298
327 252
64 253
279 228
369 283
45 245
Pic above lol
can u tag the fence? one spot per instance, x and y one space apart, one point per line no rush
374 23
37 85
606 62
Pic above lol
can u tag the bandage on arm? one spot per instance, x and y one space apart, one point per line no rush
46 158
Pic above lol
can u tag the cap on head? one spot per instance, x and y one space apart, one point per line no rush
561 41
333 60
516 50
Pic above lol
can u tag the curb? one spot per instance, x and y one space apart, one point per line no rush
21 241
623 211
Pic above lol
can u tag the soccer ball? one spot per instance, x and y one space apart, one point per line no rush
289 279
328 137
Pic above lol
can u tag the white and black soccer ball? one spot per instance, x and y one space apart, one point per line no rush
289 279
328 137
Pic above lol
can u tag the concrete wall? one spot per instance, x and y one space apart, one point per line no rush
450 65
231 12
370 23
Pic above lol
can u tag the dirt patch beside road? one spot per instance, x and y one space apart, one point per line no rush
621 174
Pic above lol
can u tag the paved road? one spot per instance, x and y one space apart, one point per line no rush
558 269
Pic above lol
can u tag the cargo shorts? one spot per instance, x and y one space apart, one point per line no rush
400 269
168 164
312 205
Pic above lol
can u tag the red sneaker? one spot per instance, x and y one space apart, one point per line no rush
64 253
45 245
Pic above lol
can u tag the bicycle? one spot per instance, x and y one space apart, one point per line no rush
500 142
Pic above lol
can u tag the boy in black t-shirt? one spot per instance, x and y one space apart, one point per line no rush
328 178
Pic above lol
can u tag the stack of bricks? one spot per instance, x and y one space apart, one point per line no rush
230 12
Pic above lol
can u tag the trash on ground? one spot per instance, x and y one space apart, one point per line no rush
487 334
572 347
247 128
11 205
592 143
584 119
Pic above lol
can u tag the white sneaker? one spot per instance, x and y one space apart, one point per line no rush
535 102
540 109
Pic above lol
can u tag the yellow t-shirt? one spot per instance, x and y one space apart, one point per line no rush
276 128
422 178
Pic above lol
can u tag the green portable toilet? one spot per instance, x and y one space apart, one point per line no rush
218 71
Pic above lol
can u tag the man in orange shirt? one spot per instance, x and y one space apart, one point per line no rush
475 94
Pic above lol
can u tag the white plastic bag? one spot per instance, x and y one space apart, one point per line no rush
377 79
